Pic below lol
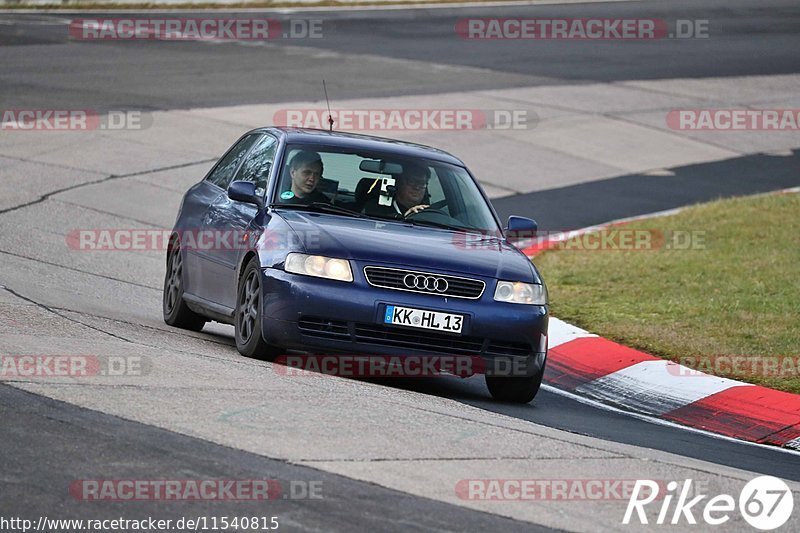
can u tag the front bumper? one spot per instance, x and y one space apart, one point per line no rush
321 316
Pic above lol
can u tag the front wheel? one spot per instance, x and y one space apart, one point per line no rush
247 317
176 312
515 389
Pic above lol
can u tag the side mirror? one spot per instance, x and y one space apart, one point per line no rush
521 229
244 191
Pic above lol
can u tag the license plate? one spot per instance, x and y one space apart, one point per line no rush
420 318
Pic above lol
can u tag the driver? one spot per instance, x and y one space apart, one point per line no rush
412 186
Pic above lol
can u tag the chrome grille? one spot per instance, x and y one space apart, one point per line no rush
424 282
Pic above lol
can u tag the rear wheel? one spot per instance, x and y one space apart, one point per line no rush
176 312
247 316
515 389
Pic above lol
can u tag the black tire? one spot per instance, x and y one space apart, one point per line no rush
514 389
176 312
247 316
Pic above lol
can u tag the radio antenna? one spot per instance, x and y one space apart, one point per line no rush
330 117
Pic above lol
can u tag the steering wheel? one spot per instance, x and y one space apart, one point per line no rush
430 209
435 207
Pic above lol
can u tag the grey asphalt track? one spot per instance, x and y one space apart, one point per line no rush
42 67
596 202
47 443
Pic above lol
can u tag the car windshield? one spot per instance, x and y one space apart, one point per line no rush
382 186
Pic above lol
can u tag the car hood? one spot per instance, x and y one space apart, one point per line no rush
416 247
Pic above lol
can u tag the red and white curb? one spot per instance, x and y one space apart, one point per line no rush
593 367
610 373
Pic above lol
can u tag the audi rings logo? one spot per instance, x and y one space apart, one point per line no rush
425 283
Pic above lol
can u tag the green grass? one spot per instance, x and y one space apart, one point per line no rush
736 293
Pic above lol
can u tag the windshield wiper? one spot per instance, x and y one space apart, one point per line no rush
439 225
323 208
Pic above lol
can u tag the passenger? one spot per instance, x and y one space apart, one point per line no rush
411 189
305 169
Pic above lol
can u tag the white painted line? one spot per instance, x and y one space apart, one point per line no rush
655 387
560 332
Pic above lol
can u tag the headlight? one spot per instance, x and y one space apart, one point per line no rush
319 266
516 292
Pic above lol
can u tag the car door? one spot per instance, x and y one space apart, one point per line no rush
228 220
198 277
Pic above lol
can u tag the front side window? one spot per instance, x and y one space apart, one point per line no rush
258 163
222 175
383 186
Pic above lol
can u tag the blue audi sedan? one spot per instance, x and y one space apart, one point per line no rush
317 242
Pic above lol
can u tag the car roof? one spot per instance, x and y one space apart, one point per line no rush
362 142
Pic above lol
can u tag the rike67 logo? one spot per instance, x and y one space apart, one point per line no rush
766 503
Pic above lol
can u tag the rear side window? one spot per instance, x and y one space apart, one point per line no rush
223 172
